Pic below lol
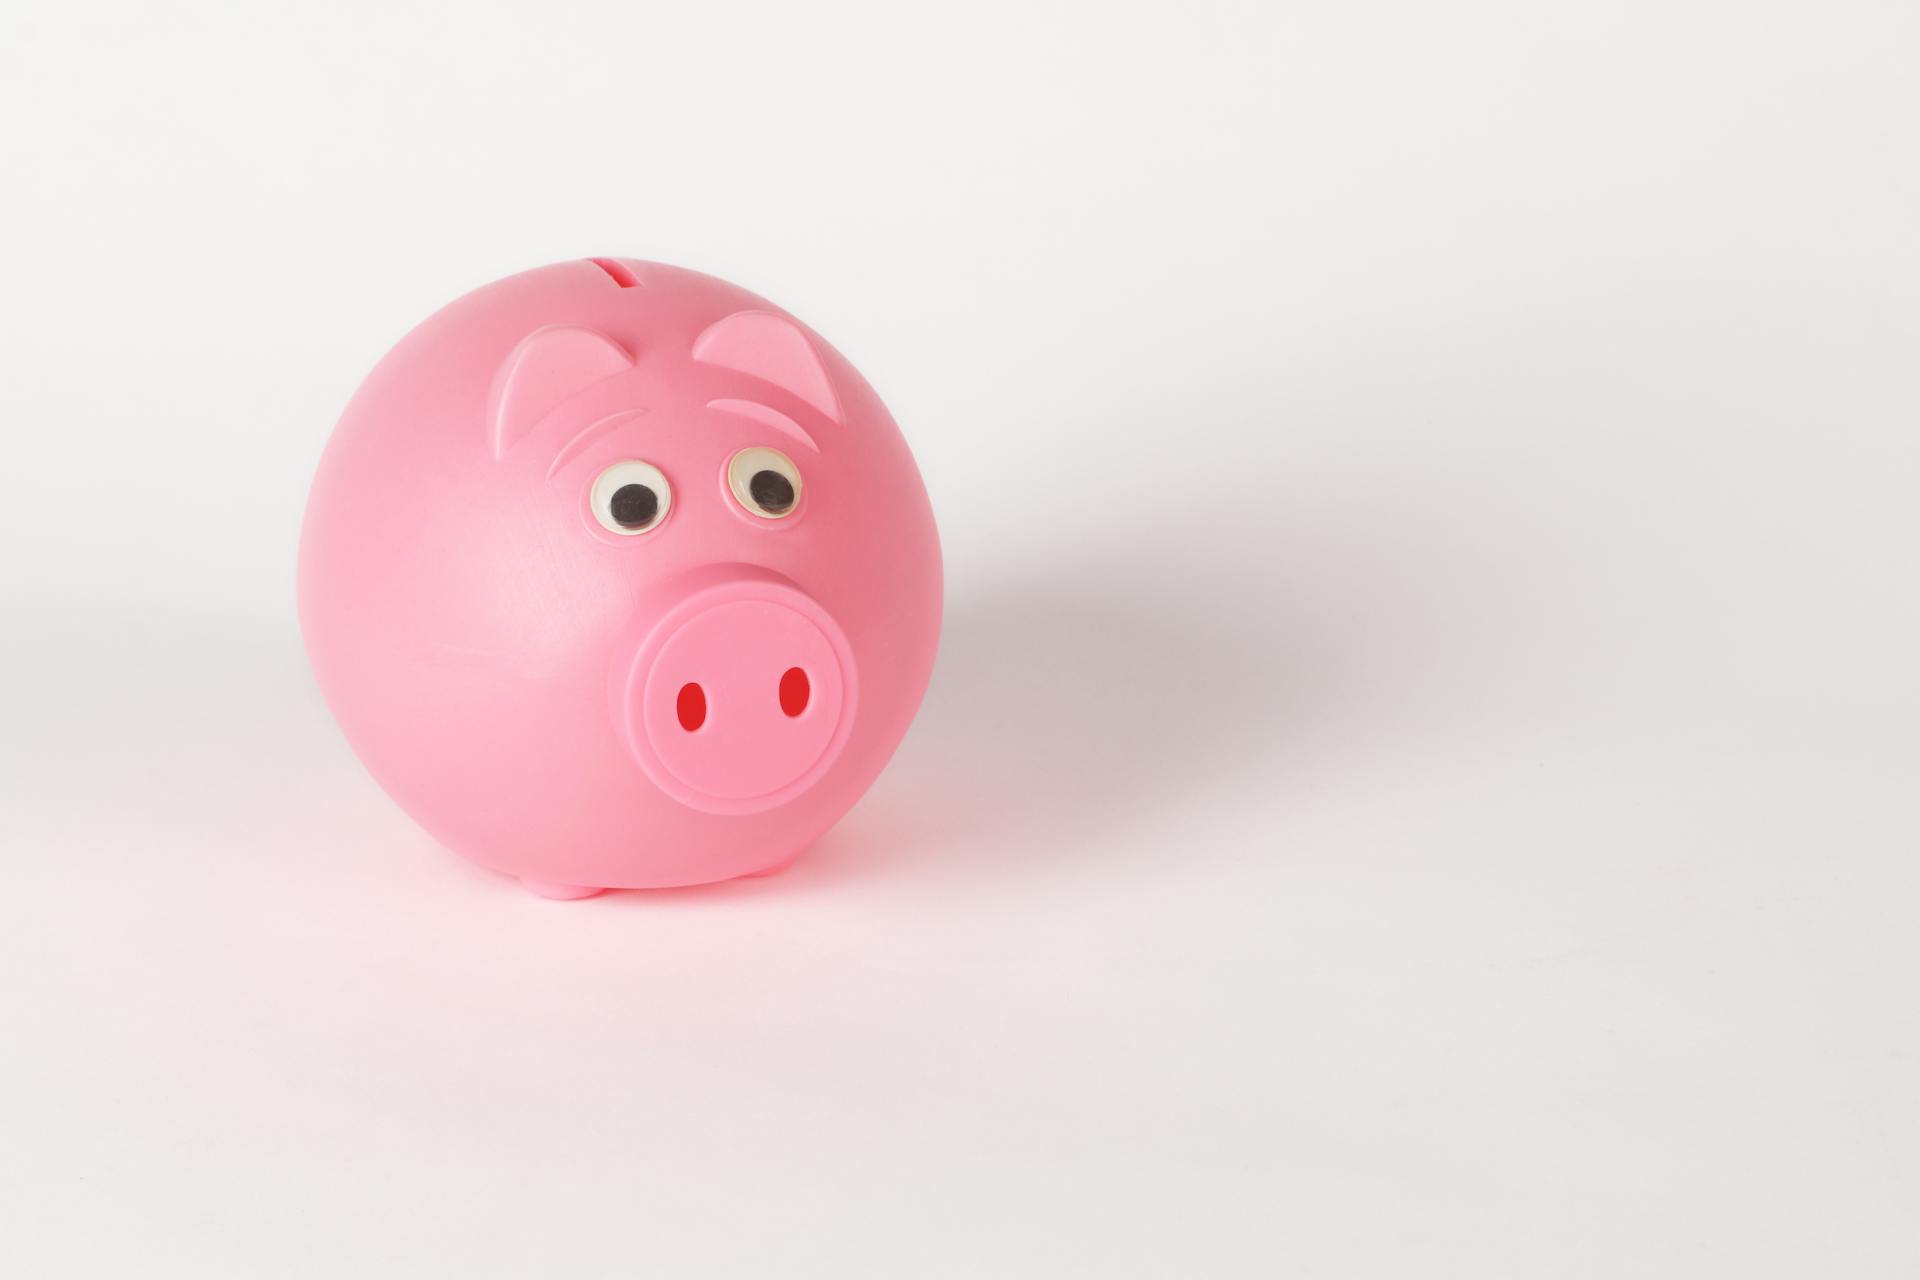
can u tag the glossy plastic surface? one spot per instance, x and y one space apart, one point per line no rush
592 689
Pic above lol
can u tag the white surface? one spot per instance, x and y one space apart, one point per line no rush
1421 776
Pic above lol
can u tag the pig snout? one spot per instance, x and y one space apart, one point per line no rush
739 696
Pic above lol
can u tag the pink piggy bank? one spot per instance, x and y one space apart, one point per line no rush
618 576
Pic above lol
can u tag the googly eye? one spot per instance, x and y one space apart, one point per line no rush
630 497
764 482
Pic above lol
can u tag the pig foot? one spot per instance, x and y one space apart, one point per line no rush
559 892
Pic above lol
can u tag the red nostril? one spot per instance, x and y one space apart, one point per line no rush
794 690
692 706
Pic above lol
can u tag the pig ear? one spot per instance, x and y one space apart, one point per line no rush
548 366
772 348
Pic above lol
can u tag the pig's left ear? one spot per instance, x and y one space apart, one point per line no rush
548 366
772 348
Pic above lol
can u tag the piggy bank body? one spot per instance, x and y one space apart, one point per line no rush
616 575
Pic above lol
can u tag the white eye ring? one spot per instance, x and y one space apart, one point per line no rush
630 497
764 482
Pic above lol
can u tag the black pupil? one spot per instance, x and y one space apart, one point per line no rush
771 491
634 506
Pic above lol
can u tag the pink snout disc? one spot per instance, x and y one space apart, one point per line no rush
739 698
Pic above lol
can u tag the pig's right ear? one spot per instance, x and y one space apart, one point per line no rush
548 366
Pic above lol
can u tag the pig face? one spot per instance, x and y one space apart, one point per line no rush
618 576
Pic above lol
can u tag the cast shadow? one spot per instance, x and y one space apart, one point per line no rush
1083 699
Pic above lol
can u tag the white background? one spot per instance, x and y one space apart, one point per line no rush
1421 775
